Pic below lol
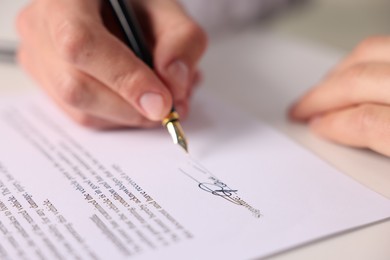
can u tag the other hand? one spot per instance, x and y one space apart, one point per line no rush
351 105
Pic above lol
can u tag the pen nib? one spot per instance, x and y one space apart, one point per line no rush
183 143
175 130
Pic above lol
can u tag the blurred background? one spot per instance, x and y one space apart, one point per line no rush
335 23
338 23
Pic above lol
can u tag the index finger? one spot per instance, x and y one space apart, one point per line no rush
79 36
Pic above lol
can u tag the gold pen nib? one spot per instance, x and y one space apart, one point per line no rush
171 122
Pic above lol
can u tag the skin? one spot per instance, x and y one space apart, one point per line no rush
72 50
351 105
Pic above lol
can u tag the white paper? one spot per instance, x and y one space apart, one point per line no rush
71 193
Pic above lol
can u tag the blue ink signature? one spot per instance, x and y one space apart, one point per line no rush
220 189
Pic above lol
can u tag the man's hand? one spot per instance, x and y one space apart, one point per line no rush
352 105
72 53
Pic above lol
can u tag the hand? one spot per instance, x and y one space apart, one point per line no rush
71 51
351 105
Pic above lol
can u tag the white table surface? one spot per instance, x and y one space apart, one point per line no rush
263 73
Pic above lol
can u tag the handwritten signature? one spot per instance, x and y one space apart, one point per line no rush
211 184
218 188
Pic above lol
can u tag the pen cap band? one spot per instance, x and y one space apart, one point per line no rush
171 117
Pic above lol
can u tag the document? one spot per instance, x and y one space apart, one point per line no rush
245 191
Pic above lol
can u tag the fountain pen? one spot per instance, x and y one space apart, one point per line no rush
134 39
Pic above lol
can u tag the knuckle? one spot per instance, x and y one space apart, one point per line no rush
371 43
126 84
367 119
354 80
73 41
73 92
373 125
356 72
195 34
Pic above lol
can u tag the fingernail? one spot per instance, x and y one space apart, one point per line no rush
153 105
179 73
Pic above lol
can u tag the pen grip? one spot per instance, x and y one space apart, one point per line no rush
131 29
